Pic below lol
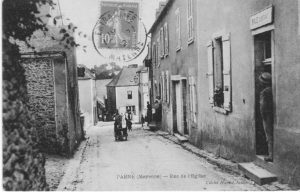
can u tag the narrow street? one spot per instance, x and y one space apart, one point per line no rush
145 162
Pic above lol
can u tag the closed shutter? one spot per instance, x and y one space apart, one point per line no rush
168 87
154 55
178 43
158 53
162 43
163 86
210 72
166 39
190 21
226 72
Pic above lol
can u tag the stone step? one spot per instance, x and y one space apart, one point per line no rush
181 138
256 173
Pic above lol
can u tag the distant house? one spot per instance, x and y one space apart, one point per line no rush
87 95
122 92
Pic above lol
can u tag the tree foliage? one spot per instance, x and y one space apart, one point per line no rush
107 71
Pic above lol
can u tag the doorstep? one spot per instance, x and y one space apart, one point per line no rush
257 174
181 138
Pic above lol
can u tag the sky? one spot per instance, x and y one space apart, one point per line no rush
84 13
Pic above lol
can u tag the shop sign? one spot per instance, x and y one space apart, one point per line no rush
262 18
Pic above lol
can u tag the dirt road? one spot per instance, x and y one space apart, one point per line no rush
145 162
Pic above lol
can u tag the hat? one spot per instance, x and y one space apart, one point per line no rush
265 78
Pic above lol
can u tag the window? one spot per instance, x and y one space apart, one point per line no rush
162 42
129 94
190 22
166 35
154 55
219 73
192 88
178 40
132 109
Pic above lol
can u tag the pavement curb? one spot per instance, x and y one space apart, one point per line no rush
223 164
220 162
72 167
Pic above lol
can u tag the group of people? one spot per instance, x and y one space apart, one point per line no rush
123 121
156 116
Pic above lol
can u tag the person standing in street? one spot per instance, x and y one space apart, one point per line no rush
149 113
128 118
266 110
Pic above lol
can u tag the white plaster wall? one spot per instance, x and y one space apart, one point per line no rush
87 100
123 101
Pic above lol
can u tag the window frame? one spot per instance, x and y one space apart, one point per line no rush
129 94
226 72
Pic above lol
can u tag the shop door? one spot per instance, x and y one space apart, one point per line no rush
263 54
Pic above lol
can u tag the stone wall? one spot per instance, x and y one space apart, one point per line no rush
40 86
23 164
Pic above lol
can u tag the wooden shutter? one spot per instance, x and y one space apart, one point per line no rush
166 39
178 40
210 72
162 43
168 87
157 53
190 21
163 86
153 55
226 72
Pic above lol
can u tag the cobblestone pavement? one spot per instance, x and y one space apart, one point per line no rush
146 161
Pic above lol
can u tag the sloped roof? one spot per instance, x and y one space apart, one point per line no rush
124 78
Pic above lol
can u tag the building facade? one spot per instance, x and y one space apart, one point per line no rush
230 51
52 101
87 96
174 58
143 90
123 92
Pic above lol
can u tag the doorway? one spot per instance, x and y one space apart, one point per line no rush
263 54
180 107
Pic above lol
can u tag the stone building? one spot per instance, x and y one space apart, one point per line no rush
53 101
213 65
122 92
174 69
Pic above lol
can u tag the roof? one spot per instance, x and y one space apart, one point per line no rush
87 73
161 15
142 69
124 78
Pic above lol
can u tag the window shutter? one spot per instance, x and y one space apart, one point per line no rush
163 86
227 72
162 43
178 43
168 86
157 53
154 55
210 72
166 39
190 21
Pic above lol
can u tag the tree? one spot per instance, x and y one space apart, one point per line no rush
23 163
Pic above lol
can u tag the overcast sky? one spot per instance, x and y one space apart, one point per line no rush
84 13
